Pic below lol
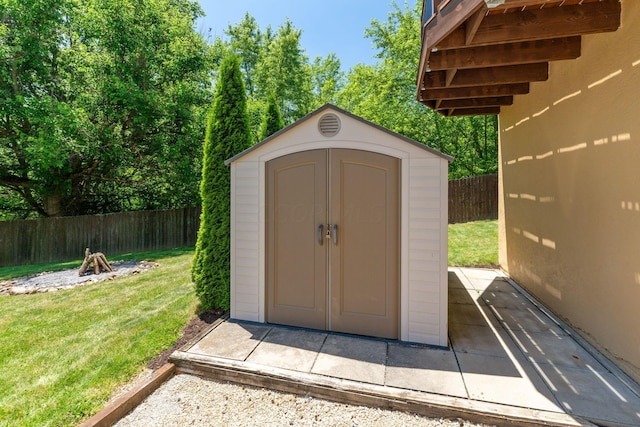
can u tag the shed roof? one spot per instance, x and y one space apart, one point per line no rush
348 114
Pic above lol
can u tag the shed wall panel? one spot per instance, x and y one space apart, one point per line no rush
423 215
245 219
425 266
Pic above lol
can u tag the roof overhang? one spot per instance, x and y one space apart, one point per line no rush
477 54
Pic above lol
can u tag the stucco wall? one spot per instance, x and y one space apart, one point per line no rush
570 190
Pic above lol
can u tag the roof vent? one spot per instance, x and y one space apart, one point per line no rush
329 125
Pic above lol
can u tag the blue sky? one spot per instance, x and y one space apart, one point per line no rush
327 26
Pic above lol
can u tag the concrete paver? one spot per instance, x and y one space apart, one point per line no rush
528 319
598 396
505 350
555 349
424 369
505 380
239 339
466 314
476 340
352 358
289 349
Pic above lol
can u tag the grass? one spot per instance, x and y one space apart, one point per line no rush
473 244
62 354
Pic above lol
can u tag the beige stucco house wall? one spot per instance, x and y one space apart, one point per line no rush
423 219
570 190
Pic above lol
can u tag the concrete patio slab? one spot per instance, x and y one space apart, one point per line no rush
464 296
505 380
454 280
527 318
511 362
504 299
476 340
598 396
424 369
239 339
352 358
289 349
555 349
466 314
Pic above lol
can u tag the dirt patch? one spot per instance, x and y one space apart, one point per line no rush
67 279
189 332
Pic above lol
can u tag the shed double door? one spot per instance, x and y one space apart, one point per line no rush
332 241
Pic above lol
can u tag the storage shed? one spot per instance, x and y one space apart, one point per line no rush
339 224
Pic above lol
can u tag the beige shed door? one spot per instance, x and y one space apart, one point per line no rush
332 241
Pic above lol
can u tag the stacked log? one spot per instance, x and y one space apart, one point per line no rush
98 260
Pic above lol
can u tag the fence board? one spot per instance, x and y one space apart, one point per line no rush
64 238
472 199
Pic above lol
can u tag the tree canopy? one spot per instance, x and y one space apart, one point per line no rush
103 105
104 102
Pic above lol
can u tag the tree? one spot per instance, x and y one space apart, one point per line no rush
272 119
327 79
283 70
103 104
385 94
227 134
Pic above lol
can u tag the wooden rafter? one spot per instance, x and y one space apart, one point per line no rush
535 24
507 54
537 72
475 92
472 25
473 111
475 58
494 101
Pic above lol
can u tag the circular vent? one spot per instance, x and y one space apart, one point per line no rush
329 125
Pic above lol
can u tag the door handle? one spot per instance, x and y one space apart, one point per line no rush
334 233
320 237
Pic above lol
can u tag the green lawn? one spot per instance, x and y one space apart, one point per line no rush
63 353
473 244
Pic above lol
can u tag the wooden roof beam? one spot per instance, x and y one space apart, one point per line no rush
472 25
538 72
538 24
449 76
494 101
507 54
474 92
472 111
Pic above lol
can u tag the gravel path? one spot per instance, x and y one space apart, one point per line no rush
66 279
187 400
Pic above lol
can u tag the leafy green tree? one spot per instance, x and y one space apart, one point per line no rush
385 94
327 79
103 104
246 41
272 119
227 134
283 71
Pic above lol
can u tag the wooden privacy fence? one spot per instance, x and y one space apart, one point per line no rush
472 199
65 238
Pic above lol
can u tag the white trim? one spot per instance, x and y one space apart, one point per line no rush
404 249
233 239
262 291
328 144
444 252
